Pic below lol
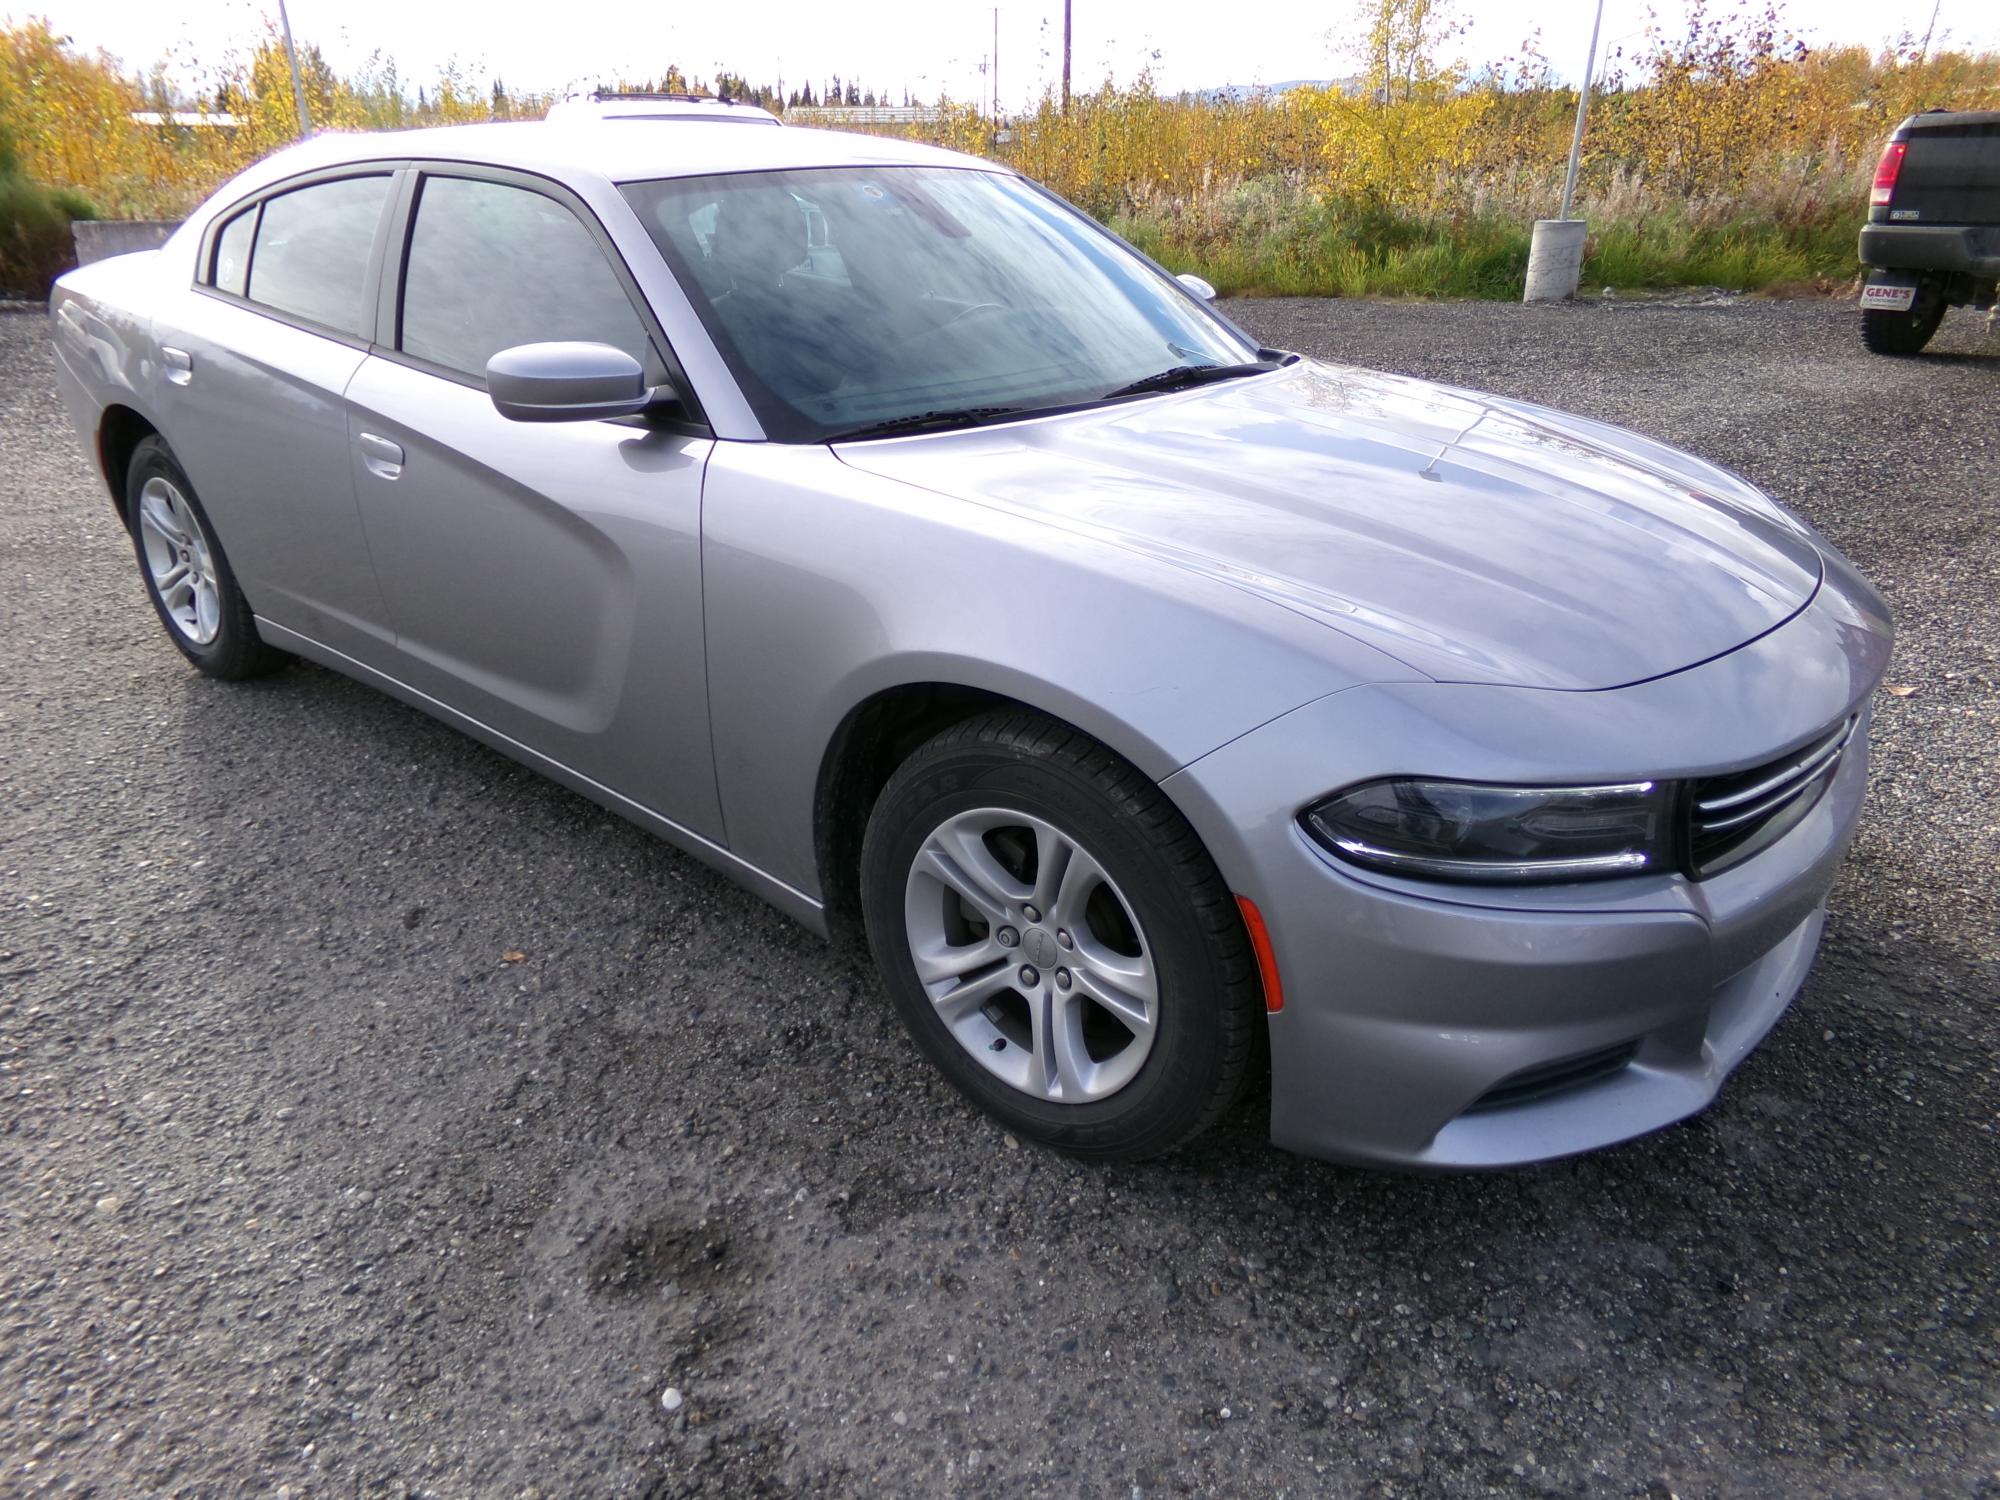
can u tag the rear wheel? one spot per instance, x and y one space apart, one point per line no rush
1057 940
1905 332
186 574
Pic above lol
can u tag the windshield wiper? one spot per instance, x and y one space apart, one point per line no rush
1181 376
975 416
929 421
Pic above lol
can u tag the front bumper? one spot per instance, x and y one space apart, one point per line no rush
1408 1004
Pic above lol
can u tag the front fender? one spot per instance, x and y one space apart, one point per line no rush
824 586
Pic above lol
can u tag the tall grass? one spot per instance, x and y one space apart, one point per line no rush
1268 238
1275 237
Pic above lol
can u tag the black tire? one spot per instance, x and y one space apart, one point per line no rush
1904 333
1209 1002
236 652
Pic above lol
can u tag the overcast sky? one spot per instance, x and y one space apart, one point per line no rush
922 45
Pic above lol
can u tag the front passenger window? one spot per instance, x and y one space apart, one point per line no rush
492 266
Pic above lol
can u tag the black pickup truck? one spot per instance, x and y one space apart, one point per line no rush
1932 239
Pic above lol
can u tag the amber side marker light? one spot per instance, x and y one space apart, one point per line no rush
1267 961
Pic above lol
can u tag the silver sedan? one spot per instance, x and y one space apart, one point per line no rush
867 522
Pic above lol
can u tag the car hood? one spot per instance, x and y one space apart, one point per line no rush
1473 538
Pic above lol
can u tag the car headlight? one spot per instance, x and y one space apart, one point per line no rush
1455 830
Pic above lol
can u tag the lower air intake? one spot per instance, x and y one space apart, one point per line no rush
1555 1078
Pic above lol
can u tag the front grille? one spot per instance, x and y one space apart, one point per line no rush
1554 1078
1731 817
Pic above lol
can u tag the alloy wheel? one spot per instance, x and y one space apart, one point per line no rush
179 561
1035 961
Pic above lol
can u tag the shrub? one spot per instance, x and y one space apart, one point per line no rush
35 245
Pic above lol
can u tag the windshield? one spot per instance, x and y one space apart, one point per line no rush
847 299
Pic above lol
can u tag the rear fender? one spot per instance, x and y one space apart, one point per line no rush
104 353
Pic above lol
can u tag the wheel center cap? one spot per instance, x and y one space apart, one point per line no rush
1040 948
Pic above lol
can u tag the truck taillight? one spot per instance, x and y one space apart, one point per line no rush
1886 171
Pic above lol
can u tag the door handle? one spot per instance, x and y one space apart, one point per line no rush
179 364
382 457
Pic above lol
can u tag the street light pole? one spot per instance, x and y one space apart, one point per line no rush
1555 249
298 86
1582 105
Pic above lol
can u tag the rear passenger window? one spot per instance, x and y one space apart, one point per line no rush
492 266
311 257
232 253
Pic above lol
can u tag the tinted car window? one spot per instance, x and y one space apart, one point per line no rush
232 252
492 266
847 297
312 250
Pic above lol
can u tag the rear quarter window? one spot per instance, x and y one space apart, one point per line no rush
232 253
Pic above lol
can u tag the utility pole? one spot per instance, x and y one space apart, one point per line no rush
1065 96
996 65
1385 28
298 87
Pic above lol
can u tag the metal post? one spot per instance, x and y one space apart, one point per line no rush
1582 104
1555 249
298 85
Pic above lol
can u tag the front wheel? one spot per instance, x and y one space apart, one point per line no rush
1057 940
1904 331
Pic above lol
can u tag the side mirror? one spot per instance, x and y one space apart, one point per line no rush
1196 285
566 383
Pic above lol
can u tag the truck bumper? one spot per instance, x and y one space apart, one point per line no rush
1965 250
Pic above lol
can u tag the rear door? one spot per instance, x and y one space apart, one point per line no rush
542 578
257 355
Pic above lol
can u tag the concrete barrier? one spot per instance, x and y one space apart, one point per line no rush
98 239
1555 260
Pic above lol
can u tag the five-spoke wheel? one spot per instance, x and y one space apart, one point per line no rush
187 576
179 560
1031 955
1056 938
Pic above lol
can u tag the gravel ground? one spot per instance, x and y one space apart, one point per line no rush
306 1190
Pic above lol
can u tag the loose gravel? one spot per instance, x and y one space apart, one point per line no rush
377 1119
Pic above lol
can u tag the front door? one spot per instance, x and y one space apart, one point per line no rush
542 578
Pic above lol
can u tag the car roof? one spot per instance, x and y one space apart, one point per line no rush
616 150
